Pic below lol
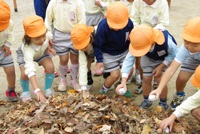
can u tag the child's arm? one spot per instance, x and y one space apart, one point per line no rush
9 39
168 122
172 50
163 19
186 107
50 50
82 70
30 70
135 15
81 13
37 91
165 78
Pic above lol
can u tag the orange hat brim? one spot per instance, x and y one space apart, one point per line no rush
86 42
4 26
82 45
117 26
42 31
139 52
191 38
159 37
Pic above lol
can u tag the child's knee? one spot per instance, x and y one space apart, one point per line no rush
115 75
24 76
50 68
10 70
147 80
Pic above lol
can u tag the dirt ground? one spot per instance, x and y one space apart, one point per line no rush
180 12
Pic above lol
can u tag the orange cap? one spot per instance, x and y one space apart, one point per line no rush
191 31
4 15
196 78
34 26
80 35
117 15
142 37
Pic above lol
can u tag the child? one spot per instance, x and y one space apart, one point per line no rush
158 49
93 13
188 57
192 104
111 43
6 60
35 47
154 13
63 15
40 7
83 39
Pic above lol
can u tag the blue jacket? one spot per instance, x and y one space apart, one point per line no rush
40 7
110 41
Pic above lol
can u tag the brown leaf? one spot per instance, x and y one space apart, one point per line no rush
69 129
146 129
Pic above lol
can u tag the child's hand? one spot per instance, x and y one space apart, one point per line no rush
155 93
168 122
120 86
41 97
99 68
6 49
51 42
98 3
51 51
157 72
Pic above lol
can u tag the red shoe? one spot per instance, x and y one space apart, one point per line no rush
12 96
55 73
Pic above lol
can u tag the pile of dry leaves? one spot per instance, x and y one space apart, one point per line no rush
71 113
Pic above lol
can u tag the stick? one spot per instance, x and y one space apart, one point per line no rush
15 5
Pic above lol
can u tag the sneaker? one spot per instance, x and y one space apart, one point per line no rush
12 96
76 86
138 80
62 86
103 90
155 84
177 100
164 106
49 92
146 104
138 90
129 81
25 96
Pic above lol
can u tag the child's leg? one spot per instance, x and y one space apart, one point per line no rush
163 96
74 71
63 67
110 80
195 113
138 71
49 76
181 82
24 82
10 76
